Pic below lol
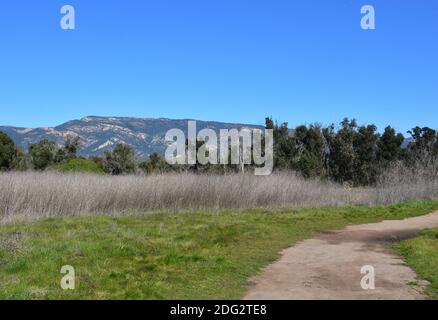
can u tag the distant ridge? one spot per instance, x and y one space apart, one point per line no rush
98 134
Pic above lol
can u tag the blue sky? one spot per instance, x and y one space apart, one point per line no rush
299 61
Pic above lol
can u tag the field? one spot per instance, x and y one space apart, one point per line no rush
421 254
31 196
174 236
191 255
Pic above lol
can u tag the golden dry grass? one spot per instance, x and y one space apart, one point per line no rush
33 195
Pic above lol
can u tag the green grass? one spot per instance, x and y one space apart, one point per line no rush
421 254
78 165
195 255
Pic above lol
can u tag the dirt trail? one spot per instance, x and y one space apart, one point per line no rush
328 267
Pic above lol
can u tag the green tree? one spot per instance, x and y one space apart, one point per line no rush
8 152
154 164
120 161
309 150
284 145
423 150
425 140
42 154
69 149
341 153
22 161
365 147
389 147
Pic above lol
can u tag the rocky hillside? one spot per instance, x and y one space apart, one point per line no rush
102 133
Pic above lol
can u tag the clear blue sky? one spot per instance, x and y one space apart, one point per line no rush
300 61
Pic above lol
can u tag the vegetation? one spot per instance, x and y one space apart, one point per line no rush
36 195
69 150
155 164
78 165
42 154
46 153
421 254
120 161
349 154
147 256
8 152
126 254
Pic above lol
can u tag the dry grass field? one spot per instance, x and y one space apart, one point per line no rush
125 241
30 196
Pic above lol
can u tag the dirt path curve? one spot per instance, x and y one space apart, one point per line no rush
328 267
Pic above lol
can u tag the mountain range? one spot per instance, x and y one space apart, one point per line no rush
98 134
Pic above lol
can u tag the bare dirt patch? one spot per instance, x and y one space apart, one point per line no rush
328 267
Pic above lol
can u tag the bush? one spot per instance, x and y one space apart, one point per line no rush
120 161
42 154
154 164
78 165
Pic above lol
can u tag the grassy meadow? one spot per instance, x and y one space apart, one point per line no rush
188 255
421 254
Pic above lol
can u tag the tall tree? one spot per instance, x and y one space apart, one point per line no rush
8 151
423 150
42 154
389 147
310 148
342 156
285 153
154 164
120 161
425 140
365 147
68 150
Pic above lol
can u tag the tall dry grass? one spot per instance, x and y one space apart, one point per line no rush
402 183
32 195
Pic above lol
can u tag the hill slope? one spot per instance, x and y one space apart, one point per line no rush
102 133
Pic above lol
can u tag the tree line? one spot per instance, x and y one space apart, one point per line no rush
346 153
349 153
46 154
